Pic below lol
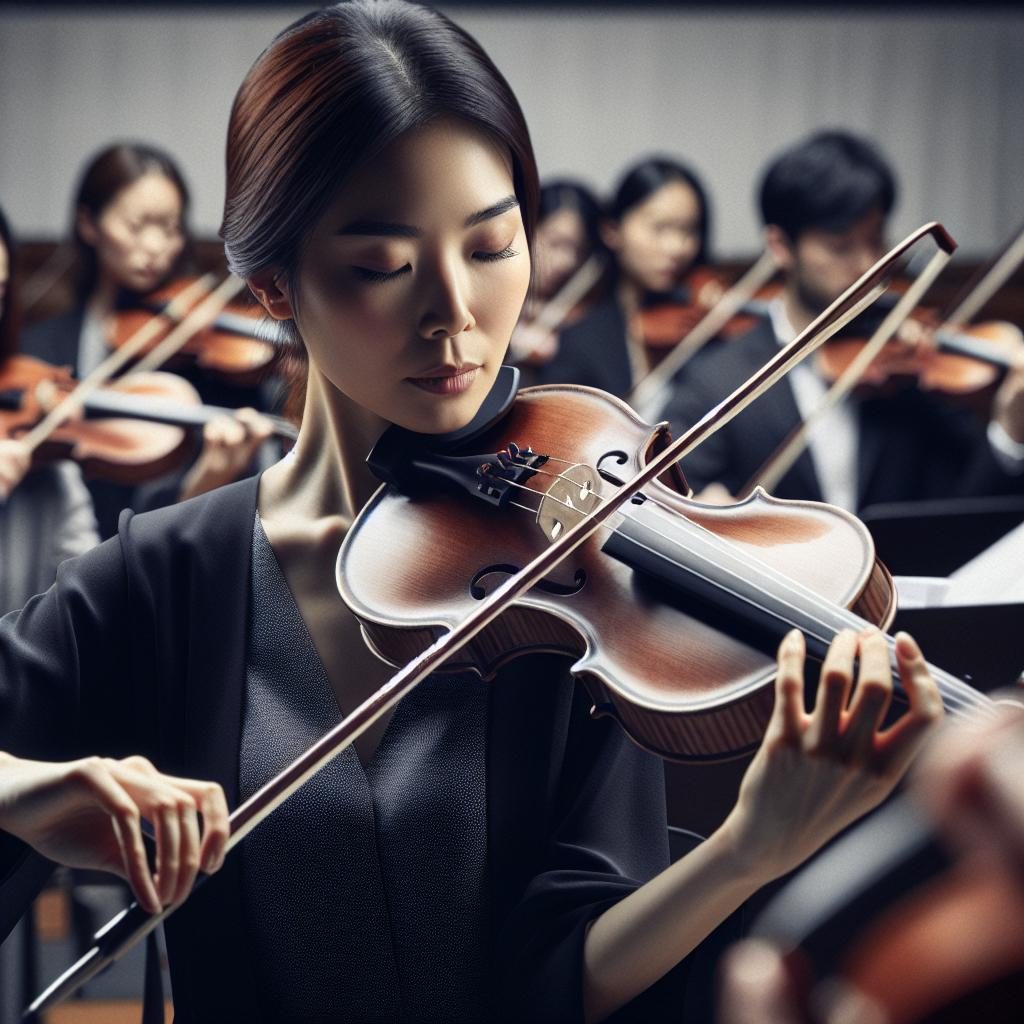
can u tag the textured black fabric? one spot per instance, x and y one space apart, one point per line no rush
593 352
364 893
140 647
910 447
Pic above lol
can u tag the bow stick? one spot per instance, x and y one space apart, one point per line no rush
134 923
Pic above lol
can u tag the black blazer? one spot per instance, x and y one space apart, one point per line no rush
55 340
139 647
593 352
910 447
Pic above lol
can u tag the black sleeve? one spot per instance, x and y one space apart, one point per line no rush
62 676
607 836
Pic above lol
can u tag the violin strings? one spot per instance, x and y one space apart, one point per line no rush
958 694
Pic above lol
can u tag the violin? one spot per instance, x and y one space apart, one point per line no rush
890 895
953 360
674 584
132 430
666 319
234 346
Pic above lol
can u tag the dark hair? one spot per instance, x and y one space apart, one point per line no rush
9 314
106 174
567 194
329 93
643 179
828 181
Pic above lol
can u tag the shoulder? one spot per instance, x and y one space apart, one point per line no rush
604 316
54 339
196 545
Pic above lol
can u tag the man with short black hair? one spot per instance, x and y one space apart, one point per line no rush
824 205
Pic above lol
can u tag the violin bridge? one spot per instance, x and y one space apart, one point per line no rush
571 497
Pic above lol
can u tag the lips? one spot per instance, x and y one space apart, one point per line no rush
446 380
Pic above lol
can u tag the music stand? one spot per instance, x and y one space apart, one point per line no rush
933 538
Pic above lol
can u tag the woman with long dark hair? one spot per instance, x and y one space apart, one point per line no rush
486 852
657 227
131 237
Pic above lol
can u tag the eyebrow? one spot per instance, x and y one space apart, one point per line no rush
389 229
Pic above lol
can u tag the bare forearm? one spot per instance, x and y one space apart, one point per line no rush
637 941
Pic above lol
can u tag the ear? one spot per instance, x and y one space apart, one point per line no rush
777 242
85 227
271 295
611 234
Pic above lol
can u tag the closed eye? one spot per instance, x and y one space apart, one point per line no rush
488 257
366 274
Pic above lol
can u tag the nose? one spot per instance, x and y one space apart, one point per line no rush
447 311
153 241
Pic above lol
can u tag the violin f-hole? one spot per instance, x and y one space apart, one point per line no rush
620 458
478 591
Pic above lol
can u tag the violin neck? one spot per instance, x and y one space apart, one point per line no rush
230 323
711 579
756 307
158 410
964 345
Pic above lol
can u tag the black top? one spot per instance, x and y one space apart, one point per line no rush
593 351
910 447
390 894
140 647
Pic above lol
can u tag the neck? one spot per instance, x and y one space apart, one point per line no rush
325 481
629 295
104 294
797 313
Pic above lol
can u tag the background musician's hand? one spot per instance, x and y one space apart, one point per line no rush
970 780
88 813
1008 407
15 459
229 444
817 772
532 346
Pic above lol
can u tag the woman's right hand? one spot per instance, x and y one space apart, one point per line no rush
15 459
816 772
88 814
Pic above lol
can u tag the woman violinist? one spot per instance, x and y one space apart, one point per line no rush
131 238
566 240
487 852
46 516
657 228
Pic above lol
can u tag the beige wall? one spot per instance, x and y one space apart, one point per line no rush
942 93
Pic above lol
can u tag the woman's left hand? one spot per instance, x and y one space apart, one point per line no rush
817 772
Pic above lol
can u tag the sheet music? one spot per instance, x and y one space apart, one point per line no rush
996 576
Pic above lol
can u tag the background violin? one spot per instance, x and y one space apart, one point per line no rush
666 319
132 430
954 360
234 346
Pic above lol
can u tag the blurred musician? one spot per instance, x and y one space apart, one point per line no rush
824 203
657 229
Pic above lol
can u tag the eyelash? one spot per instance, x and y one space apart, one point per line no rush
378 276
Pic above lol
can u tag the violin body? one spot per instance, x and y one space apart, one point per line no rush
119 449
964 361
663 323
682 686
230 348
